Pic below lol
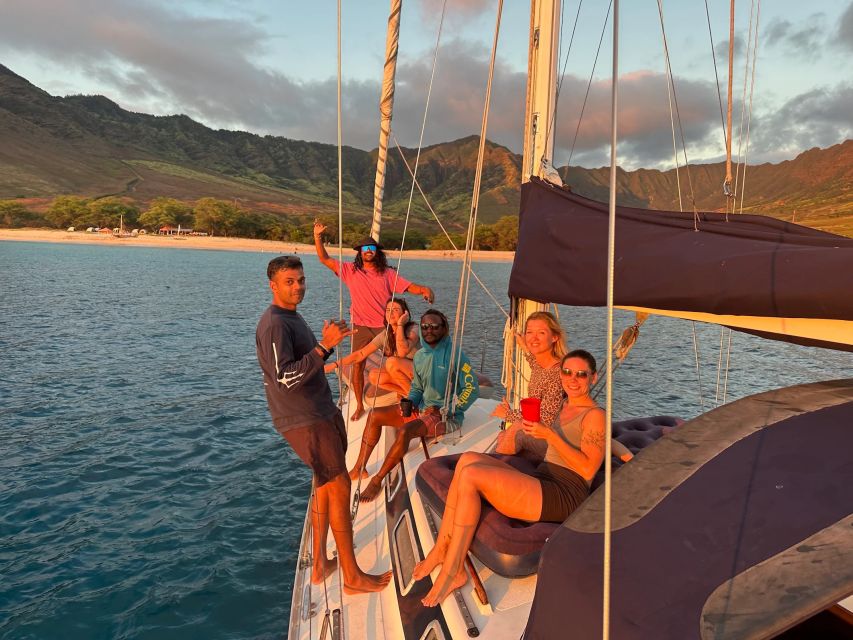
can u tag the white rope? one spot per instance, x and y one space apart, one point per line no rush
611 262
446 234
733 204
674 95
668 73
459 321
357 493
727 185
749 116
698 371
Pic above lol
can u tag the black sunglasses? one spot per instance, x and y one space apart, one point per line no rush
581 374
426 326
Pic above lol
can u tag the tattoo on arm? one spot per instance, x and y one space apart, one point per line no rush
593 439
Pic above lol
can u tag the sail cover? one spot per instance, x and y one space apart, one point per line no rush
752 273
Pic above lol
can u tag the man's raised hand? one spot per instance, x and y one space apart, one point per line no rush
334 331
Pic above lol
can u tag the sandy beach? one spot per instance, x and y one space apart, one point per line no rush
223 244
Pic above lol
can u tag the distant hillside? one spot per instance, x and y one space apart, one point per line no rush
88 145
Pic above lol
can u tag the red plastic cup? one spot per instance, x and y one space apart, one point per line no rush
530 409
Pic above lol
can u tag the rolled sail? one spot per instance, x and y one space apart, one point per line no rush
753 273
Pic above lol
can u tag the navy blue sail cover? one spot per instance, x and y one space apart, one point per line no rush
747 265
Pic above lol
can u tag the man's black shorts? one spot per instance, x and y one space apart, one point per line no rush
322 446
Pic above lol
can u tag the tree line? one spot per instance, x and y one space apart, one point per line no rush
225 218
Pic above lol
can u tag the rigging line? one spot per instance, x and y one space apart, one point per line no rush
727 185
698 372
340 179
671 80
742 107
588 86
459 321
749 113
668 69
553 121
716 73
611 267
719 367
357 501
728 361
444 230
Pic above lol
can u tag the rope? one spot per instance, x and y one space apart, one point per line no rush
446 234
552 123
698 372
668 73
459 321
588 86
357 493
611 259
749 117
716 74
671 81
727 185
742 109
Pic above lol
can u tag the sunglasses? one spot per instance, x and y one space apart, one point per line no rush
427 326
368 247
580 374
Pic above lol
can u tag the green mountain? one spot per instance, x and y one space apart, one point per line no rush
88 145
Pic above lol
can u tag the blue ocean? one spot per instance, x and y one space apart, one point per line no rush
143 490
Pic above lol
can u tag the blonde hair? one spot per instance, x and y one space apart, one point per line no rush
559 347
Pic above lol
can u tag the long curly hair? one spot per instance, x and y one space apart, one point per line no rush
379 259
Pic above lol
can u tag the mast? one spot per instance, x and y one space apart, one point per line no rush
541 103
386 106
539 116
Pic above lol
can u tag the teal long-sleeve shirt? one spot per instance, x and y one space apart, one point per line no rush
430 379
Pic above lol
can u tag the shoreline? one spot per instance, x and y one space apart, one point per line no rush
209 243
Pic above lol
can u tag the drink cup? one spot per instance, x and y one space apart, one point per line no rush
405 407
530 409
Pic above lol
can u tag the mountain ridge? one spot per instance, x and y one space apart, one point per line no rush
89 145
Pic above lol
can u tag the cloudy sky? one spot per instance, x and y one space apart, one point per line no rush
269 66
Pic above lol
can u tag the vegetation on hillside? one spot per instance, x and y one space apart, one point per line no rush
88 147
217 217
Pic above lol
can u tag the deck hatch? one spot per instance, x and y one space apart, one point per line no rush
405 552
433 632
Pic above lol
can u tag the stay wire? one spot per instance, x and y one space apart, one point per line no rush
716 73
588 87
671 80
357 493
749 112
461 311
742 109
668 74
552 123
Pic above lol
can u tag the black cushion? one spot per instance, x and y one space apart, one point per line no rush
511 547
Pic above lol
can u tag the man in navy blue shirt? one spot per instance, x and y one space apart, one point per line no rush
303 412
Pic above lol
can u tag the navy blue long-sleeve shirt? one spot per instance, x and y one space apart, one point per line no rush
298 393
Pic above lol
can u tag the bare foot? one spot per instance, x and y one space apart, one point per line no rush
372 490
359 411
434 558
367 583
443 586
323 570
353 474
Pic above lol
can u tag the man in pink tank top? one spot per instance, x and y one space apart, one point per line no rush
371 283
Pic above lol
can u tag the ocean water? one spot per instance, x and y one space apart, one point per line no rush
143 490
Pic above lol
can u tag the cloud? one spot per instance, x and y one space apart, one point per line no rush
804 39
844 35
817 118
644 124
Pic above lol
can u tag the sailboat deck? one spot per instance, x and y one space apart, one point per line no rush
379 615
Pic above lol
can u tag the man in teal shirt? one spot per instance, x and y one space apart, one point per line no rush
427 395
